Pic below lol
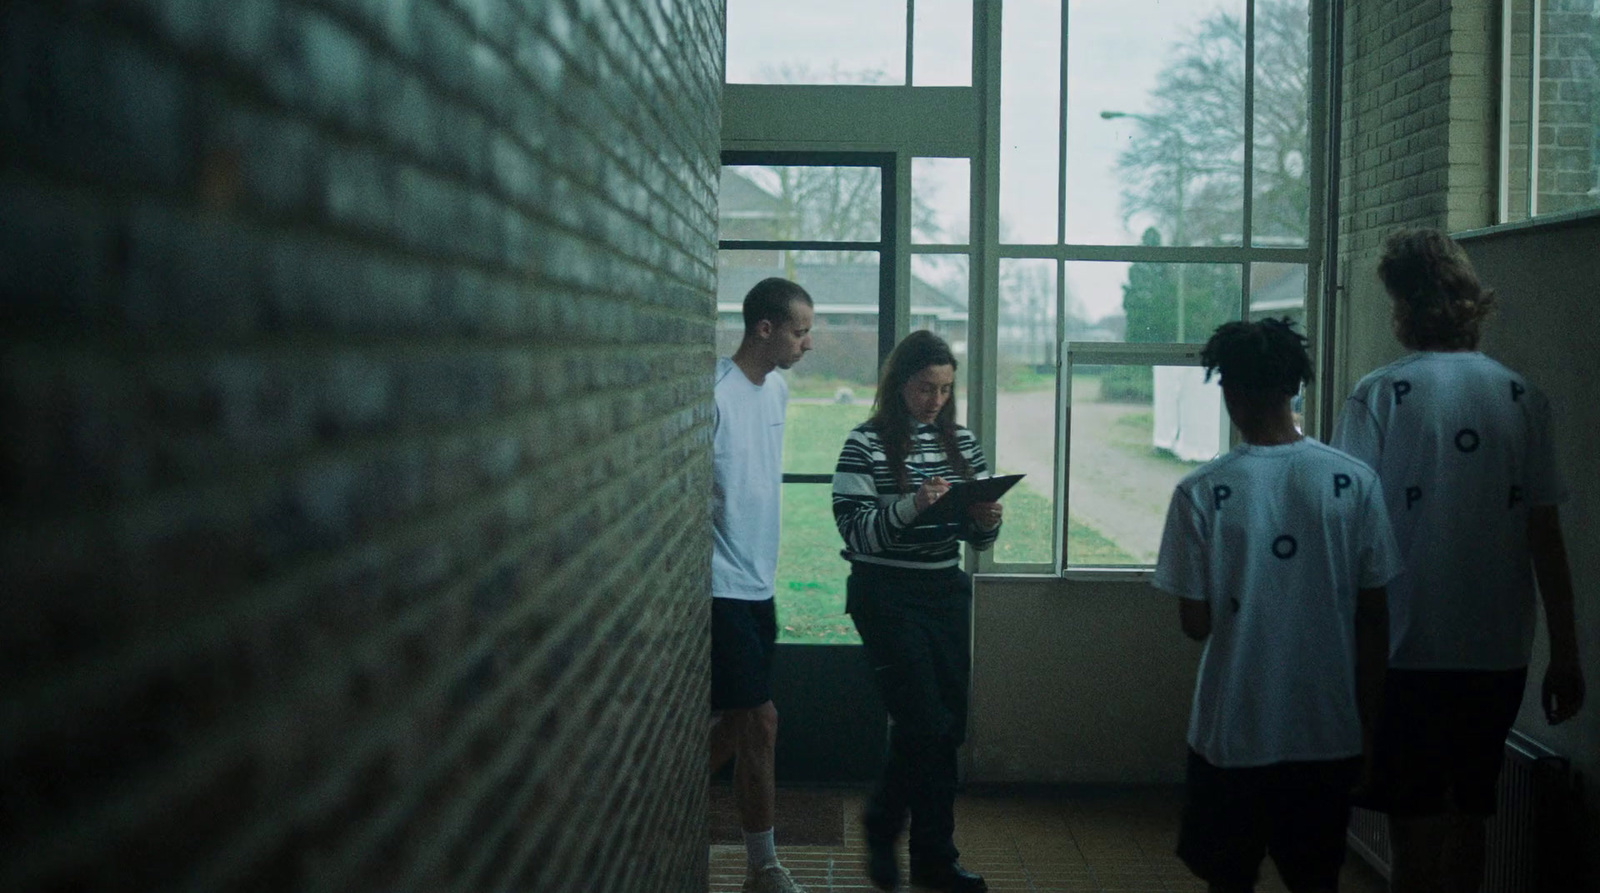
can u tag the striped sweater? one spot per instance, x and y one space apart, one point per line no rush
874 515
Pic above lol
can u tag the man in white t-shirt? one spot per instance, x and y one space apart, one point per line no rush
1279 553
1463 447
747 443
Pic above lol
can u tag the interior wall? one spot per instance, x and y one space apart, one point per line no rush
1078 682
1546 281
355 412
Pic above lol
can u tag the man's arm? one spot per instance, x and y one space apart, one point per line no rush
1195 615
1563 680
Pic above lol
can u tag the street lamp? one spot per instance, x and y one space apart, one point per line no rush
1181 178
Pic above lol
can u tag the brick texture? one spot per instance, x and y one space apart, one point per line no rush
354 375
1419 135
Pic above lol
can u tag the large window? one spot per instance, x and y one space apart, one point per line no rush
1549 107
878 42
1155 182
1136 174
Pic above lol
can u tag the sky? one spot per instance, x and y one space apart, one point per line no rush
1116 49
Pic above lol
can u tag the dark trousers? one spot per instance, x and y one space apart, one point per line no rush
916 631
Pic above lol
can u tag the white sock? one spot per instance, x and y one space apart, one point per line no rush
759 850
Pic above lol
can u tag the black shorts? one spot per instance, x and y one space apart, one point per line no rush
743 637
1296 812
1442 739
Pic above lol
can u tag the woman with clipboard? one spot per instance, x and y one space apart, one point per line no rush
911 602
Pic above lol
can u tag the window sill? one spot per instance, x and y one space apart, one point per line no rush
1532 224
1073 575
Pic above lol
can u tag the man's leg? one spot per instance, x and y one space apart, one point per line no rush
754 783
724 737
1462 855
1417 843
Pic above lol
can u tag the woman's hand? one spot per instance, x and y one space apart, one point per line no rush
930 491
985 514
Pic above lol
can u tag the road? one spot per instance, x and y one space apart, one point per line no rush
1120 485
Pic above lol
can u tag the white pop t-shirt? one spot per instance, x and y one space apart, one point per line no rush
1278 539
747 482
1463 447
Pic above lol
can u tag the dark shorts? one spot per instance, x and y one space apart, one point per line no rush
743 637
1296 812
1442 739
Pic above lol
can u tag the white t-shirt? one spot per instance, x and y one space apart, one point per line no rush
1463 447
747 482
1278 539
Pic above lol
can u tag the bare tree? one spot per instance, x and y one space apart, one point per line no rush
1184 167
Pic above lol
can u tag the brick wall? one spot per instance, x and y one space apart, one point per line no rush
1419 125
354 381
1569 106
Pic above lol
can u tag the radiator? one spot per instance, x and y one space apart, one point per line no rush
1532 838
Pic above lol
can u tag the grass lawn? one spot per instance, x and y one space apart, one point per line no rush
811 575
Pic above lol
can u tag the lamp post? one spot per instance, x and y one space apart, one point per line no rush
1180 177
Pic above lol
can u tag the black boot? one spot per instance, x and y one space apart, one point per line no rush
948 876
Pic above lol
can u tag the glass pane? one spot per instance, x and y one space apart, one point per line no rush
939 304
941 47
817 42
1518 86
1025 409
1281 213
810 579
1278 290
831 388
941 192
1136 431
1141 302
1030 112
1155 128
1569 106
812 202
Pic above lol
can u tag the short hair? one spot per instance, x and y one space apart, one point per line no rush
769 300
1438 301
1267 357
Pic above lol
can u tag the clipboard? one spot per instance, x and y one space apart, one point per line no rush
952 506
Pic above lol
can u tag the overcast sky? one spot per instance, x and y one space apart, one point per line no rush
1117 47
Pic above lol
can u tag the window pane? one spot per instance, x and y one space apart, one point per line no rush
1140 302
817 42
1281 213
1025 408
939 304
1519 85
941 48
1278 290
1155 133
801 202
1569 106
941 191
1136 431
1030 104
810 579
831 388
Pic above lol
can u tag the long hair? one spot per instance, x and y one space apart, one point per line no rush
1439 304
1266 358
893 421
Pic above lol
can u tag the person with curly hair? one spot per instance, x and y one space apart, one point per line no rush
1464 448
1278 552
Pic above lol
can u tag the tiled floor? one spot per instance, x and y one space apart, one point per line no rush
1101 843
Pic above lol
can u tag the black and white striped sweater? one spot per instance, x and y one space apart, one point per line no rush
874 515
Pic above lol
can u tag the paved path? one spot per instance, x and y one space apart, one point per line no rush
1120 486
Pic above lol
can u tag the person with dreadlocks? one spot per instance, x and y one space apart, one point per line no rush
1465 452
1278 552
911 601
